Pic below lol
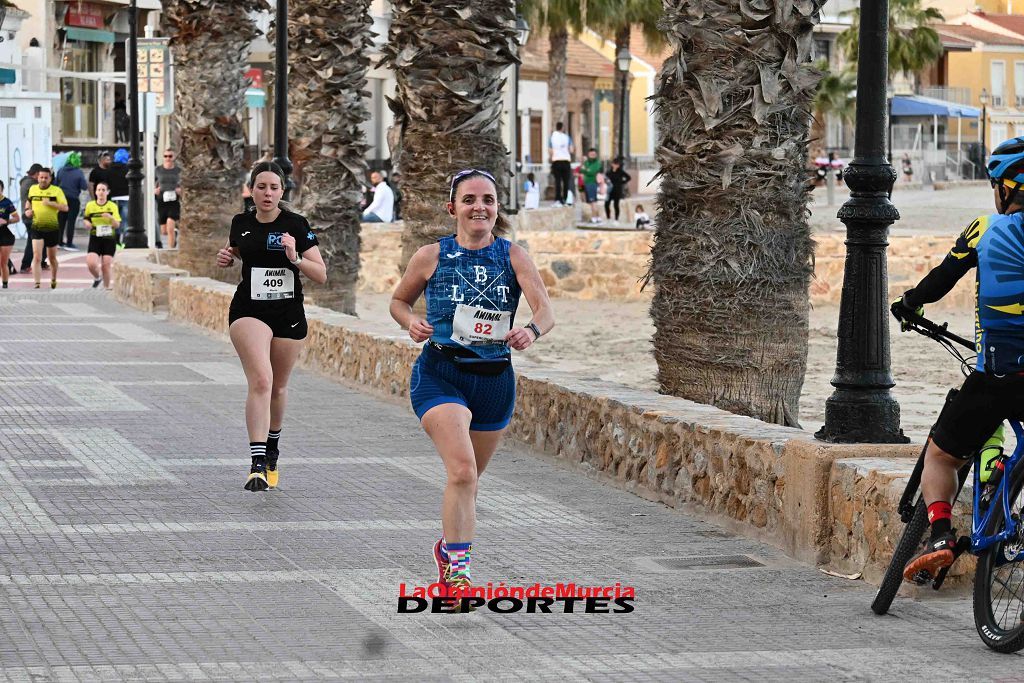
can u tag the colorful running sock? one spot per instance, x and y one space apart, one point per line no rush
458 555
940 516
272 439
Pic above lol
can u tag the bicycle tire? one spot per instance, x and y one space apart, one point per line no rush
992 634
908 545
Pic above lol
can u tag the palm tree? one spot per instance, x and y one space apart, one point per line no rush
618 17
558 18
732 255
913 44
834 97
210 42
328 42
448 58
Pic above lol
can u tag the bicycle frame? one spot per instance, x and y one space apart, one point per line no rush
980 521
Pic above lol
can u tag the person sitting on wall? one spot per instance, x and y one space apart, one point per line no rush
382 208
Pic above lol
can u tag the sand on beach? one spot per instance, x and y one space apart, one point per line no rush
584 342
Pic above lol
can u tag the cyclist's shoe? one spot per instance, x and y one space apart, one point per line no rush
937 555
458 587
444 567
272 471
257 480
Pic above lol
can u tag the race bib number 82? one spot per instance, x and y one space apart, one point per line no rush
474 325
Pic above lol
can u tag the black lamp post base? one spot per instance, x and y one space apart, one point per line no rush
862 416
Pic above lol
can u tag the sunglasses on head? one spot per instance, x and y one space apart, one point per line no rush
468 172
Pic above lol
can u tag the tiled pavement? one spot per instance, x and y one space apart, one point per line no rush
129 551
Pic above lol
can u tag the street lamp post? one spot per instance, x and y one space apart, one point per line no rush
522 35
135 237
622 60
862 408
983 98
281 96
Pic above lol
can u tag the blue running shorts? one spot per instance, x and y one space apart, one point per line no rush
436 380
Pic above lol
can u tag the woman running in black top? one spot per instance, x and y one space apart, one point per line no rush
267 320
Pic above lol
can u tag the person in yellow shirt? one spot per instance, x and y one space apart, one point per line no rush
103 219
45 202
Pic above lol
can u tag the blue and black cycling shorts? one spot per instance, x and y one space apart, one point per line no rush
436 380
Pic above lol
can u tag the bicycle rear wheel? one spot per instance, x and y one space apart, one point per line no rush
999 580
909 544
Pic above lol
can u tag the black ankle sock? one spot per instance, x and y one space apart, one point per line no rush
258 451
272 439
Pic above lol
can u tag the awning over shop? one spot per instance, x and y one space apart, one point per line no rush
916 105
7 76
255 98
89 34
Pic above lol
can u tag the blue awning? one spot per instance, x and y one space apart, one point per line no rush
916 105
89 34
7 76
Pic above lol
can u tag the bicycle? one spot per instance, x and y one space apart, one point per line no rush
997 535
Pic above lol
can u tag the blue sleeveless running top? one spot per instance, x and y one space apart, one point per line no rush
475 277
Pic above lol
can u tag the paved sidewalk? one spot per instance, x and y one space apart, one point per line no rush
128 549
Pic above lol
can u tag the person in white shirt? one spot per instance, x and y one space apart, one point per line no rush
560 149
382 208
532 192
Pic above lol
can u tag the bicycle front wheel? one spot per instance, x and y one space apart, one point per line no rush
909 544
999 580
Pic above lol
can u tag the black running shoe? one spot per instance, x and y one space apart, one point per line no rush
257 480
937 555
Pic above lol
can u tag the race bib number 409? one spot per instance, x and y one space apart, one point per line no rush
268 284
474 325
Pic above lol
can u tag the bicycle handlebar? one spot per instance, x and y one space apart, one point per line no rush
922 325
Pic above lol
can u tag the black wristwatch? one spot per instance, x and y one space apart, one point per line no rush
536 330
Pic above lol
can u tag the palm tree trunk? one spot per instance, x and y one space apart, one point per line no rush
209 96
621 41
448 58
328 41
733 250
558 63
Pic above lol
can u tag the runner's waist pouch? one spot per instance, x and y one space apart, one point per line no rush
467 361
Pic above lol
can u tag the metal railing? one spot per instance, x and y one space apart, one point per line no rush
944 92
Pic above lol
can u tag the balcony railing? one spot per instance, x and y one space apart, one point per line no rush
947 93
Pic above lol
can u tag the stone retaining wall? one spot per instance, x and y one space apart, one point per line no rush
827 504
608 265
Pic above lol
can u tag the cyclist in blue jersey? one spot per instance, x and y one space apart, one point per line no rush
462 386
994 391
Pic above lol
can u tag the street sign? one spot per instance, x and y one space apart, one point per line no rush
156 73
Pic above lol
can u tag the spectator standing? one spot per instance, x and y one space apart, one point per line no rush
168 196
589 170
117 179
560 150
26 183
382 208
617 178
73 183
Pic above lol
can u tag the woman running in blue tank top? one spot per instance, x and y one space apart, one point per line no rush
462 387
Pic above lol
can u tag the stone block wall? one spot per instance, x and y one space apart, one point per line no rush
140 283
823 503
590 264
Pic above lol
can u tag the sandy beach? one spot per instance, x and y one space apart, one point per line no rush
582 342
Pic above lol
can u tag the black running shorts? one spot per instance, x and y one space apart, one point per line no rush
104 246
6 237
165 210
971 416
51 238
289 323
